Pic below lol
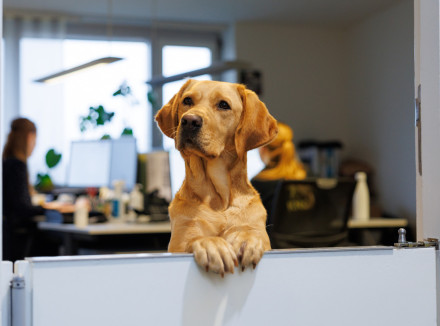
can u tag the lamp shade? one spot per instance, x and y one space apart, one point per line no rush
68 72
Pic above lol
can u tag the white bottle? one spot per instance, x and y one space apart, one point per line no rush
361 198
137 198
135 203
81 214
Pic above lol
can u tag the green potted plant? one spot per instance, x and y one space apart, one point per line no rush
44 181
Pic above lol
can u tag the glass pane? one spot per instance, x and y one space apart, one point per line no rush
179 59
41 103
57 108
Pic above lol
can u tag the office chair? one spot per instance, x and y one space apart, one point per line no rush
311 213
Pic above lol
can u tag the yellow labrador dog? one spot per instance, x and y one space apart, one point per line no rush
217 214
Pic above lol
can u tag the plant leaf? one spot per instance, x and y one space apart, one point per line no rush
44 182
118 92
52 158
127 132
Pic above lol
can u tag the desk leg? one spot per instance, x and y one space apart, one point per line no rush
69 246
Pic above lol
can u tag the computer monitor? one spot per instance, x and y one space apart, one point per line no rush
97 163
123 161
254 163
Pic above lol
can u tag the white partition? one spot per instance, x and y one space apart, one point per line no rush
371 286
5 292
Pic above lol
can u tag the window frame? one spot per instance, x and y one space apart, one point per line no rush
157 35
209 40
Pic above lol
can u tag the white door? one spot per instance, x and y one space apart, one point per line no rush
427 69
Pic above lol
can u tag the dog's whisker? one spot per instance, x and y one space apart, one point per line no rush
173 130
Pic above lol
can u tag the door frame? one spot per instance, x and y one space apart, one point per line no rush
427 69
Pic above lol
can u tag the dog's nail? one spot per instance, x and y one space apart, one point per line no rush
236 262
254 265
222 274
242 268
207 268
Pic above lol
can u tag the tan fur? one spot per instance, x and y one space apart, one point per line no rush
217 214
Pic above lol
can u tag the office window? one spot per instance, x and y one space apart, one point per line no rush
176 60
36 47
57 108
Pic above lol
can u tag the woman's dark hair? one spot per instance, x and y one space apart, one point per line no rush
17 142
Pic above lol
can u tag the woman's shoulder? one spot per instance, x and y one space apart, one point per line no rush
13 163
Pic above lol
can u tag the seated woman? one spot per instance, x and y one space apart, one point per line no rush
281 163
18 212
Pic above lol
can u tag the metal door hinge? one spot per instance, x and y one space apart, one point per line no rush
402 243
17 282
418 118
18 302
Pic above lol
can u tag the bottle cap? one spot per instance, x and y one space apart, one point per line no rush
360 176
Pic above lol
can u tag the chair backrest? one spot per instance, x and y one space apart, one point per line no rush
311 212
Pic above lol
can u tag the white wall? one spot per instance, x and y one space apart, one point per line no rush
380 57
303 77
354 84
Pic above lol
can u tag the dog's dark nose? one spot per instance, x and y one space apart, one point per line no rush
191 122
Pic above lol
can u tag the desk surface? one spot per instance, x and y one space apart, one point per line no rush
165 227
377 222
108 228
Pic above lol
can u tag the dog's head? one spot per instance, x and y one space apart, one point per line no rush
206 118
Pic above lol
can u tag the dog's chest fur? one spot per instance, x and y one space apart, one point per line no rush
217 183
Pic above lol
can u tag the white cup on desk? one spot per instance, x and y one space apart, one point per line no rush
38 199
81 214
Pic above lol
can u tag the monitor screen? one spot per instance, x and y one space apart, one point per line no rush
123 162
99 163
254 163
89 164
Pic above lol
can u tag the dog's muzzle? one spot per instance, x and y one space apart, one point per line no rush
190 126
191 123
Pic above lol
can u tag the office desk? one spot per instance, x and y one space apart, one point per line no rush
375 231
125 237
374 223
109 228
117 237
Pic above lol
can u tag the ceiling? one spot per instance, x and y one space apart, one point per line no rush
333 12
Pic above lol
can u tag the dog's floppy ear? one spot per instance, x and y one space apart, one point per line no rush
167 117
256 127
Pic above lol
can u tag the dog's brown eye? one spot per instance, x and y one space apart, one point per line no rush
187 101
223 105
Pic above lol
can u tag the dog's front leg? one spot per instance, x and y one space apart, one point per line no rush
249 244
214 254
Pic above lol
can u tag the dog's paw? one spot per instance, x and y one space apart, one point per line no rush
215 254
248 247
